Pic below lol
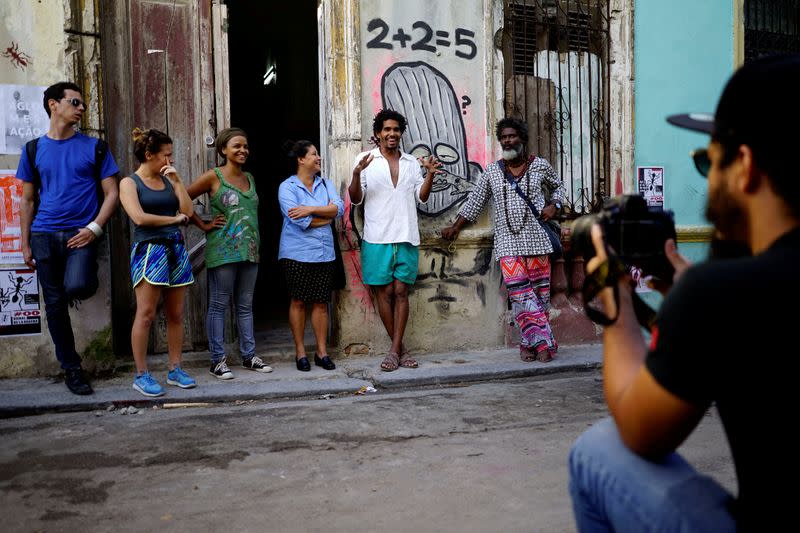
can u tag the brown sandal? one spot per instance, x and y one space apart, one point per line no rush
544 356
390 362
406 361
527 354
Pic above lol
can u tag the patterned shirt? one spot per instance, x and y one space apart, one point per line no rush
238 240
524 236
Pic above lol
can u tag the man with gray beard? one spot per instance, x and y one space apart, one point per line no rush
520 244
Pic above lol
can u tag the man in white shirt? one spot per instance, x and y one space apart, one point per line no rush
390 182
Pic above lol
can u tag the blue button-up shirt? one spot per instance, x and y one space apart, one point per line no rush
299 241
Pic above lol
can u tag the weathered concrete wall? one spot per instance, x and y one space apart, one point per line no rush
441 65
435 63
60 41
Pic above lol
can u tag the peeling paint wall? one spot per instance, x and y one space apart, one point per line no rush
436 64
60 39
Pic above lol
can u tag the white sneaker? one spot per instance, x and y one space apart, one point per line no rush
221 370
255 363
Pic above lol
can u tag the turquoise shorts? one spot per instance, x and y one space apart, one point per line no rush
382 263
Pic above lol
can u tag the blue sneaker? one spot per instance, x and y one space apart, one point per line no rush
147 385
180 378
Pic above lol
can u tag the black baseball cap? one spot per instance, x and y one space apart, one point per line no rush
758 107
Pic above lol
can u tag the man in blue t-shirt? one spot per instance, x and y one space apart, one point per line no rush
59 237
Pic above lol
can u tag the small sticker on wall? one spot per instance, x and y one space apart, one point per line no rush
651 185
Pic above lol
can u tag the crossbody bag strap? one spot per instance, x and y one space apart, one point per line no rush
515 184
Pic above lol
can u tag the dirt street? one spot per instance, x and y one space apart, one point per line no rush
485 457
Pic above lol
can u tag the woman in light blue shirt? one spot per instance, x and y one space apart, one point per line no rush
309 204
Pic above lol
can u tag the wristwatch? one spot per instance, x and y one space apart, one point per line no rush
558 205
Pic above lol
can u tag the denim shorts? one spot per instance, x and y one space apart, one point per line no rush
382 263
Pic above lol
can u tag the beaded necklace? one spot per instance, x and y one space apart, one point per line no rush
524 172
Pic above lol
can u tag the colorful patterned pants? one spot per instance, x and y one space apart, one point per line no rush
527 280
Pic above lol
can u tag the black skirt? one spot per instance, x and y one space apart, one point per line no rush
308 282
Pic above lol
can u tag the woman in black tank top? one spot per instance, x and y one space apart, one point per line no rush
156 201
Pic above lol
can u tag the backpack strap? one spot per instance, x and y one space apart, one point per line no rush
30 151
100 152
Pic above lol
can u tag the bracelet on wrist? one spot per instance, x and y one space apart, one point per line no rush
95 228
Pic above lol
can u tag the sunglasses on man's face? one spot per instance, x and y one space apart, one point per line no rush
76 102
701 161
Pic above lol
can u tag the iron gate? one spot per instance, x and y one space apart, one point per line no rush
770 27
557 80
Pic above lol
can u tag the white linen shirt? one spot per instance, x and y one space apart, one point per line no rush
390 213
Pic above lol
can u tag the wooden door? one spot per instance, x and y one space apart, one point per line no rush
158 64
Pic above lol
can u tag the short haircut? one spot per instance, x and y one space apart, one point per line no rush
56 92
145 141
518 125
225 136
387 114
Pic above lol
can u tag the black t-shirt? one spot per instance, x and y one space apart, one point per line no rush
726 334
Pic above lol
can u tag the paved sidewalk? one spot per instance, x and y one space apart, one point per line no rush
19 397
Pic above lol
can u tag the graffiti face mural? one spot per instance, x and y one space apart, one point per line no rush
435 127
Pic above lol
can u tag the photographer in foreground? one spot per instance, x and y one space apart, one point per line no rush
719 318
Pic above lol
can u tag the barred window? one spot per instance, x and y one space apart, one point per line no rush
771 27
557 80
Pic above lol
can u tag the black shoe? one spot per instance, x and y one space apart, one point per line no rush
76 382
303 365
325 362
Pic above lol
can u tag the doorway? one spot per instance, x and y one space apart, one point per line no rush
274 97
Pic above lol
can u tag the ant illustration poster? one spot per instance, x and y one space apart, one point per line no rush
651 185
19 303
22 116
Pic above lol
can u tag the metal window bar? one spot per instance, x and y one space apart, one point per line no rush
771 27
557 80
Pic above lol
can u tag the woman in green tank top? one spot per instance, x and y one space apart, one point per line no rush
231 251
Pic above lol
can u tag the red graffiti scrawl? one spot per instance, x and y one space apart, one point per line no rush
10 236
19 59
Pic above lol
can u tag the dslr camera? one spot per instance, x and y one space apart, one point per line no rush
633 230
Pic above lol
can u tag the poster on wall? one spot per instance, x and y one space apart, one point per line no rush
22 116
19 303
428 64
10 236
651 185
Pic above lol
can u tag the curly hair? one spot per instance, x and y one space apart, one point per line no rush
145 141
516 124
387 114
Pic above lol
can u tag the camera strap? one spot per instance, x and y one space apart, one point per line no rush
608 275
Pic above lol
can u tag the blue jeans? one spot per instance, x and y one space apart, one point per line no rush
65 274
613 489
237 280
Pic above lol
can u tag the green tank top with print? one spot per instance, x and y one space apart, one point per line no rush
238 240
